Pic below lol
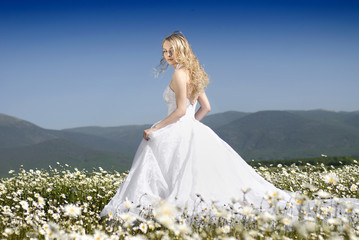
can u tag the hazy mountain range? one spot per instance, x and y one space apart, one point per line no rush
261 135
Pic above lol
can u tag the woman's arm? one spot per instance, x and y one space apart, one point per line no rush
179 86
205 107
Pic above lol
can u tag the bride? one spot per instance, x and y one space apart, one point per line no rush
182 160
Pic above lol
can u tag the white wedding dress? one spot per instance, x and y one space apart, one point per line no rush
187 158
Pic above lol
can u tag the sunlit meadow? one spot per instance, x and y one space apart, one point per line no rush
64 203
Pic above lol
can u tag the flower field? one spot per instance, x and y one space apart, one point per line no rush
64 203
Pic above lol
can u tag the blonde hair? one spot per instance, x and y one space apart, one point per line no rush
184 55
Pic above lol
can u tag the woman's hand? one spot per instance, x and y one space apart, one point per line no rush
179 87
147 132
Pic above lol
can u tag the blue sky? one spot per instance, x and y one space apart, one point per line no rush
78 63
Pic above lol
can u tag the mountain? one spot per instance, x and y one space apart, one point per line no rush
15 132
41 155
343 118
24 143
268 135
352 120
263 135
220 119
124 138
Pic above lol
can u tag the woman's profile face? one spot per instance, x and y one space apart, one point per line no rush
168 53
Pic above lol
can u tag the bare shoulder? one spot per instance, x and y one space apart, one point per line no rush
181 73
180 76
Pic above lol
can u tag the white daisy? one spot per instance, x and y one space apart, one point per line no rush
226 229
72 210
143 227
24 204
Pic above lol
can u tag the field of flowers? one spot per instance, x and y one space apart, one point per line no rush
64 203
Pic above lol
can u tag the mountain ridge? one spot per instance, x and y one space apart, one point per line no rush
263 135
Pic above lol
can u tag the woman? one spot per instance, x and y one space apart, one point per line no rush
182 160
188 75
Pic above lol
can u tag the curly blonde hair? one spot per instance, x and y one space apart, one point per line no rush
184 55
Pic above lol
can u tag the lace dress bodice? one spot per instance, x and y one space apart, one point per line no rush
170 97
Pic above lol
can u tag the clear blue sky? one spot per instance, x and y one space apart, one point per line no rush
83 63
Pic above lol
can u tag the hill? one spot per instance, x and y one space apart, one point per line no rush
46 153
339 118
24 143
264 135
218 120
281 135
124 139
16 132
